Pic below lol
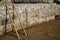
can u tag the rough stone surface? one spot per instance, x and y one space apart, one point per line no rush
30 14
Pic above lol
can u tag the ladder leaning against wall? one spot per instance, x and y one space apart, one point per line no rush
13 22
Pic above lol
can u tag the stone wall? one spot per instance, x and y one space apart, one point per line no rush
29 14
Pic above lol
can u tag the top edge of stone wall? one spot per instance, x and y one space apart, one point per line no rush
2 4
35 3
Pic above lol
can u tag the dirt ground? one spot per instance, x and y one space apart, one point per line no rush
44 31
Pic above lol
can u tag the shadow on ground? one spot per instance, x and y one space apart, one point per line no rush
44 31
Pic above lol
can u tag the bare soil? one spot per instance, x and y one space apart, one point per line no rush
44 31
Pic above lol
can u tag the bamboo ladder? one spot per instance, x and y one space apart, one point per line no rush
13 22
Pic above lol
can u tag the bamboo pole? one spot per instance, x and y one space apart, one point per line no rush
20 21
13 23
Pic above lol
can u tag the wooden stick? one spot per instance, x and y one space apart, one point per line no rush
20 22
14 25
